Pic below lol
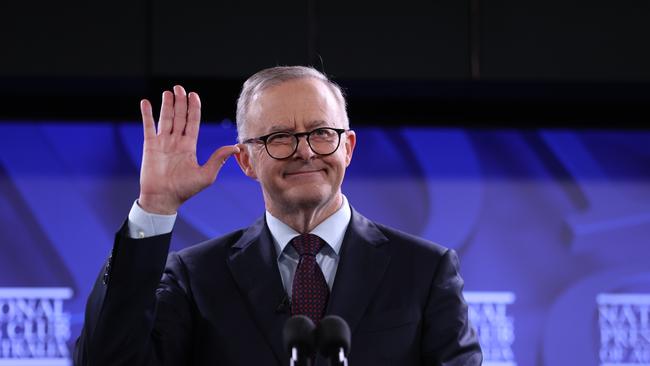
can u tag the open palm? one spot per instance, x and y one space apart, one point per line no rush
170 172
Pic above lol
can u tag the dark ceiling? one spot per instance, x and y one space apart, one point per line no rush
447 62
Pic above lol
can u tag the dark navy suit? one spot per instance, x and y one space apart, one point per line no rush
221 302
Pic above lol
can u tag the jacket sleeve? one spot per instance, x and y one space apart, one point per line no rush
448 337
135 315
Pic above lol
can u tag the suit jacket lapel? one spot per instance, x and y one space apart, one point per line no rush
253 264
364 260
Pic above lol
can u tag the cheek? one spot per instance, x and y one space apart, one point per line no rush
268 171
338 163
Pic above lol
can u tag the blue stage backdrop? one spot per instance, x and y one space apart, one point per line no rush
552 228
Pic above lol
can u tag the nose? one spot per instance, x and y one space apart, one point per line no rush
303 151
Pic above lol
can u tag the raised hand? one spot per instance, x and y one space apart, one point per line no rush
170 172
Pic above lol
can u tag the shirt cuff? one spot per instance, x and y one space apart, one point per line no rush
143 224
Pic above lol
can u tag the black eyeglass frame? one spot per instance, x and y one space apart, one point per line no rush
297 136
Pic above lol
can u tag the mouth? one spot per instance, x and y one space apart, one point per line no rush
304 173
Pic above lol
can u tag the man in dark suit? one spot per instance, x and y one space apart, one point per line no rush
225 301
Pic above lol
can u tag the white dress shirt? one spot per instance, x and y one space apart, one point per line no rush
331 231
143 224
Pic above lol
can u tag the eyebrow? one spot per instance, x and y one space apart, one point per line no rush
317 123
310 125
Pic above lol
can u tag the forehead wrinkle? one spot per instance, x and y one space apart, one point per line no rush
316 123
281 126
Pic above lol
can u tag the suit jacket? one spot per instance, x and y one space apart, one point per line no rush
221 302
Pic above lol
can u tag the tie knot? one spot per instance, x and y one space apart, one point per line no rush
307 244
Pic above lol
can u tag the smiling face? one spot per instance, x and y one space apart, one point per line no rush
305 180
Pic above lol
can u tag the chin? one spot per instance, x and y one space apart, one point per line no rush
305 197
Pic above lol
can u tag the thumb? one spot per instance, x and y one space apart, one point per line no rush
218 158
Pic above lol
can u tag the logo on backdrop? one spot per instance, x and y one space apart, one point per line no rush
488 312
624 321
33 326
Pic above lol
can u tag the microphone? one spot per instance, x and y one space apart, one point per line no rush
333 339
298 335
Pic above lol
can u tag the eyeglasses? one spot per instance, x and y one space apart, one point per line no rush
281 145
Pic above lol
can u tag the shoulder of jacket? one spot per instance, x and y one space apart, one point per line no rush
411 242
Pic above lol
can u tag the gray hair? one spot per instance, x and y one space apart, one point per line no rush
267 78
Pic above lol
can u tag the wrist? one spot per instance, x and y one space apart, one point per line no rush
156 205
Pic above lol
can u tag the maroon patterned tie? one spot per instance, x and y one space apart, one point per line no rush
309 290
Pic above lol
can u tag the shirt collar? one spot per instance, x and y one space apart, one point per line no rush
331 230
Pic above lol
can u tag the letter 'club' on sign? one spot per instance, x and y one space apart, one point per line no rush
34 329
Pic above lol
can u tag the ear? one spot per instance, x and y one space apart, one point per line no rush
245 161
350 142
